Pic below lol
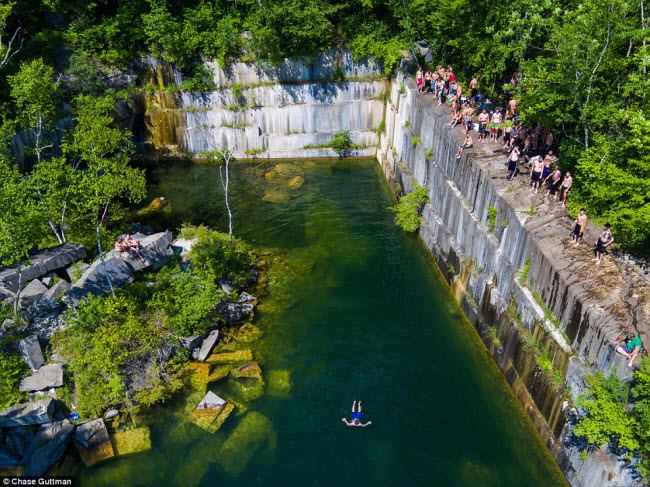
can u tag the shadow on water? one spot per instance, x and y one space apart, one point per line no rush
353 310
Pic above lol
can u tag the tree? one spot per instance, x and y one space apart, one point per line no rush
7 48
37 97
19 217
105 151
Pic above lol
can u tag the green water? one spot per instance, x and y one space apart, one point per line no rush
355 310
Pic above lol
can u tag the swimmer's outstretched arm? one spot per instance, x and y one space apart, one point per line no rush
367 424
346 422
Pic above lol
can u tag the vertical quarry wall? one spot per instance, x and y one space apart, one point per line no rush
287 111
545 312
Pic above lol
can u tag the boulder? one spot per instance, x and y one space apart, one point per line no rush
6 326
34 396
275 198
111 413
18 439
251 432
211 412
241 356
46 377
157 204
45 327
35 412
182 246
42 308
191 342
57 290
92 441
32 293
208 344
47 281
211 401
30 351
246 298
43 262
131 441
226 286
249 371
76 270
93 280
428 58
47 447
234 312
6 295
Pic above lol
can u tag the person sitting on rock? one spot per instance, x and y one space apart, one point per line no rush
355 416
466 145
133 245
120 246
631 348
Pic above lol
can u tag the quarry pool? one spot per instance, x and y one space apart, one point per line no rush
354 310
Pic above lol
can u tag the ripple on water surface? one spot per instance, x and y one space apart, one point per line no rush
354 310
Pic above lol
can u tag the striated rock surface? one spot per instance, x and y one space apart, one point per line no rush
34 412
47 447
46 377
30 351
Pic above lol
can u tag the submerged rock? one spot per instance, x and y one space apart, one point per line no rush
251 371
295 182
34 412
30 351
241 356
157 204
92 441
46 377
131 441
248 333
278 383
47 447
275 198
244 441
246 298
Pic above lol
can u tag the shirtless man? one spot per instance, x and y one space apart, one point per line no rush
466 145
579 227
419 78
549 160
536 173
483 119
548 142
512 104
440 90
355 416
494 126
468 112
472 89
458 90
566 186
553 181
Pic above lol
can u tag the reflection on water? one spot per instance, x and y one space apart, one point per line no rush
351 310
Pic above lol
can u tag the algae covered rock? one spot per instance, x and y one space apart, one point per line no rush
269 176
131 441
249 371
275 198
157 204
92 441
278 383
248 333
253 430
211 412
241 356
295 182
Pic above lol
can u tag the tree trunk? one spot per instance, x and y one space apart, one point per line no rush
101 254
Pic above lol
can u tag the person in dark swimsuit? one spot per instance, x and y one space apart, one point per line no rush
605 239
355 416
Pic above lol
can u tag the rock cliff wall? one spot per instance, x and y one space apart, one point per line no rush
545 312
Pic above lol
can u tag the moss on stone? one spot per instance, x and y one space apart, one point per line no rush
244 441
278 383
250 371
131 441
241 357
275 197
295 182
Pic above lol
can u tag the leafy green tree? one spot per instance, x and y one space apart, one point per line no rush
8 47
104 150
12 370
606 416
407 211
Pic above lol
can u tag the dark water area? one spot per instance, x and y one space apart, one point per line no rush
355 312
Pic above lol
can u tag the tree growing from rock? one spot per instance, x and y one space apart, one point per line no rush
8 48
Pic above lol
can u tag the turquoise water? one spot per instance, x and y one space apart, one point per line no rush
354 310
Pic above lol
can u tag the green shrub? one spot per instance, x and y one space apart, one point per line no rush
381 128
415 140
402 88
12 369
492 218
407 124
429 153
544 360
384 96
407 211
225 259
523 277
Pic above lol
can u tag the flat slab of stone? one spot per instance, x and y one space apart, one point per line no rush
43 262
240 356
182 246
93 280
191 342
211 412
211 401
208 344
46 377
131 441
34 412
47 447
30 351
32 293
76 270
57 290
249 371
93 443
155 249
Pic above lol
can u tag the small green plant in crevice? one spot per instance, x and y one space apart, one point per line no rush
237 91
407 124
253 152
523 276
495 338
402 88
233 107
557 378
381 128
429 153
492 218
479 270
415 140
583 455
531 211
407 211
544 359
505 223
384 96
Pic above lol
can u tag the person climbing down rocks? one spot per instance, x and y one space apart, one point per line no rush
355 416
631 348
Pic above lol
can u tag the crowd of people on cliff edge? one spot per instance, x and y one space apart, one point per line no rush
526 147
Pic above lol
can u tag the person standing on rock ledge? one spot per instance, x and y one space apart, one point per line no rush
355 416
631 348
579 227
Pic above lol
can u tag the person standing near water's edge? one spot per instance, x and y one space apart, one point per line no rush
355 416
